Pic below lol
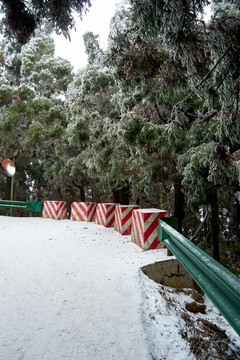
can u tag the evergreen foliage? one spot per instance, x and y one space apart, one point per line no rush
31 113
22 17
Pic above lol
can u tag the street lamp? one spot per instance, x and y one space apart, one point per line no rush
10 170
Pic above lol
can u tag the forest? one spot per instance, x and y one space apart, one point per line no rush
151 120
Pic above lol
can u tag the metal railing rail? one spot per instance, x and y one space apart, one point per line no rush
220 285
33 206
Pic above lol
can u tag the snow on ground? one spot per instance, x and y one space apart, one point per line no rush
74 291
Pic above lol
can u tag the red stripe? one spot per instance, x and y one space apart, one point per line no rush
110 209
153 226
117 226
77 215
59 207
93 210
127 231
154 244
133 232
83 210
147 215
137 228
162 213
118 218
127 217
51 209
100 219
62 213
97 220
73 217
110 222
139 217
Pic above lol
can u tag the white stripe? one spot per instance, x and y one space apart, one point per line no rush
91 212
134 230
139 233
117 222
100 212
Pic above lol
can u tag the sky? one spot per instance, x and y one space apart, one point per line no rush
96 20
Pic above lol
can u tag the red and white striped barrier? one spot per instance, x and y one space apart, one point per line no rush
145 228
54 210
83 211
105 214
123 218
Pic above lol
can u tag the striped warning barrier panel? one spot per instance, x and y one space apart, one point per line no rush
54 210
145 228
83 211
105 214
123 218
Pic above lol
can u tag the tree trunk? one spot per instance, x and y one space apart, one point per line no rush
121 196
60 196
73 195
82 193
81 188
125 195
8 189
234 216
116 197
179 205
215 225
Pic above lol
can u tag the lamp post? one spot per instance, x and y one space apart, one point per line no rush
10 170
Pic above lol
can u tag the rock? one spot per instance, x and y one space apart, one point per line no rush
194 307
198 297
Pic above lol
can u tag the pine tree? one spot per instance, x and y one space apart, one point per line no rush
208 130
31 111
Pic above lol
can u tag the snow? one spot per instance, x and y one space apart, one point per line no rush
74 290
151 211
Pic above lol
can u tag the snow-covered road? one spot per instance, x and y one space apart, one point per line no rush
74 291
70 290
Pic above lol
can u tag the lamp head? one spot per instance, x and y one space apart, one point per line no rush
9 167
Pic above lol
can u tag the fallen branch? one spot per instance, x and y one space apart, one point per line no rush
199 229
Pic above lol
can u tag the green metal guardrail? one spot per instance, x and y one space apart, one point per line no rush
34 206
220 285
